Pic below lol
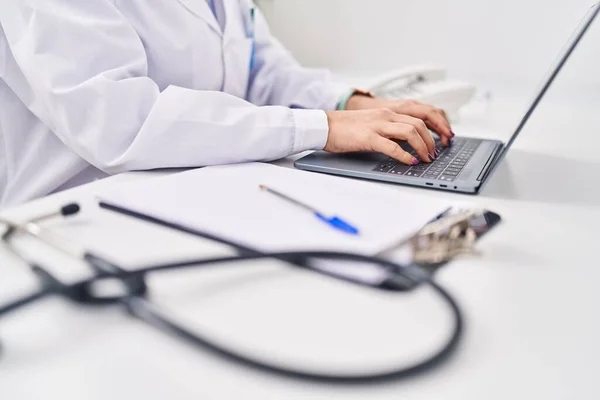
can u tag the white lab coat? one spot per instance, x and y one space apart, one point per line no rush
96 87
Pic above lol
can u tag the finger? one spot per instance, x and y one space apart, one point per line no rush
433 117
444 132
449 141
392 149
438 122
443 112
445 141
422 129
407 132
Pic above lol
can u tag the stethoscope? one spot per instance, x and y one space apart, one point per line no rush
134 291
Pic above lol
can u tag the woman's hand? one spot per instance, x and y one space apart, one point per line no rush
434 118
376 130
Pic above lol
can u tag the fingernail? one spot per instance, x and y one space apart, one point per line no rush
437 151
415 161
452 133
432 156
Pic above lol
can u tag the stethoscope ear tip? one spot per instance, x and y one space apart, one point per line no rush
70 209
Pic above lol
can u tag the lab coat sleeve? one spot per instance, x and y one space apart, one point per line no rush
277 77
87 77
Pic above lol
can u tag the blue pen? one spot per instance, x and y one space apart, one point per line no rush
252 36
335 222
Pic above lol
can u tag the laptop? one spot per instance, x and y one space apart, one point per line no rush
463 167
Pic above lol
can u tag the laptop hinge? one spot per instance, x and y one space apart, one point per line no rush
489 164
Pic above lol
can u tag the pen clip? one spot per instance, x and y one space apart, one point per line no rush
251 31
249 19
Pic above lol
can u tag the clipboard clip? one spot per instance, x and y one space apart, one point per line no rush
451 234
446 238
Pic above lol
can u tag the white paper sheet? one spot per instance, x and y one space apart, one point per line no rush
227 202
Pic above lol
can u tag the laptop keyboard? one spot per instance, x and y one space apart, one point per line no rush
446 167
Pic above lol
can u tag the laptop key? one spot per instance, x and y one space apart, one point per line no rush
382 168
415 174
422 167
446 178
400 169
385 166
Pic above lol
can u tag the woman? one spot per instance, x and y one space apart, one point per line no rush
90 88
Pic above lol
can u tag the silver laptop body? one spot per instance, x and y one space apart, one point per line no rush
463 167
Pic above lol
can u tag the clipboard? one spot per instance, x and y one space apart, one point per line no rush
261 224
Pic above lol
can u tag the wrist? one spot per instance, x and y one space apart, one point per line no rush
354 99
360 102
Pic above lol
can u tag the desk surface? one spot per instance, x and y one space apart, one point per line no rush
530 301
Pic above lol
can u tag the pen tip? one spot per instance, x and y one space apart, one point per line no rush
262 187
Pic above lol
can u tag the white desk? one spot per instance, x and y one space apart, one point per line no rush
531 302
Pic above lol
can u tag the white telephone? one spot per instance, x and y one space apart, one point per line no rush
426 84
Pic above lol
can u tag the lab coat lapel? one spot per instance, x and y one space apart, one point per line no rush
238 16
202 10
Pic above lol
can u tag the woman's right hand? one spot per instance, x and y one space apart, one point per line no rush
376 130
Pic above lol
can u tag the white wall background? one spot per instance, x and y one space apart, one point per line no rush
477 40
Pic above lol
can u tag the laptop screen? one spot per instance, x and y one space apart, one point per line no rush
554 71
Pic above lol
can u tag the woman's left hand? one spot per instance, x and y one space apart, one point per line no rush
435 118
